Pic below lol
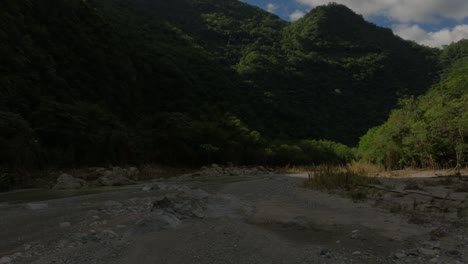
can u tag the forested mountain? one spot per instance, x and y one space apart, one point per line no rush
125 81
431 130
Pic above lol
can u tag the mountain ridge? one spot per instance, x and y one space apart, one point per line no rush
112 81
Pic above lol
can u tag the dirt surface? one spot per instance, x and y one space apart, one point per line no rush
241 219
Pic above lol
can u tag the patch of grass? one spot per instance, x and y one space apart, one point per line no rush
333 178
296 169
359 194
365 168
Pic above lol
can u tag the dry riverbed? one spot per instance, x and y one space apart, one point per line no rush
227 216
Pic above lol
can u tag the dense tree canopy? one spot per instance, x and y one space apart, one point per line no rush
195 81
431 130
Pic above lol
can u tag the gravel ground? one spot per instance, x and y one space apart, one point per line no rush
246 219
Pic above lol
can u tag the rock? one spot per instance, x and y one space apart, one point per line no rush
357 253
434 260
65 224
62 243
37 206
453 253
355 234
428 252
325 251
6 260
298 222
114 177
400 255
432 244
112 204
109 234
199 194
133 171
18 255
149 187
166 221
66 181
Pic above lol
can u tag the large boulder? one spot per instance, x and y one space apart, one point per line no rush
66 181
114 177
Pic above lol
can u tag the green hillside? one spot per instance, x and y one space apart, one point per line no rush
193 81
431 130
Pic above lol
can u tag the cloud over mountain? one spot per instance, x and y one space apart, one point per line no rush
432 39
404 11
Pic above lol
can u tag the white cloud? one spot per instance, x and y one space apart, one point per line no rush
296 15
271 7
432 39
404 11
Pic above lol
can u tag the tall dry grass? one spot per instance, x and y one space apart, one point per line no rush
365 168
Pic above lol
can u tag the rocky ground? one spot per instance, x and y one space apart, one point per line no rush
238 215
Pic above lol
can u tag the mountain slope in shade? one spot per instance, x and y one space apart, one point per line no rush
86 82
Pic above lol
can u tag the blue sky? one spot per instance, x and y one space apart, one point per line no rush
429 22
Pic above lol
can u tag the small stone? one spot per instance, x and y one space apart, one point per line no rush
148 188
112 204
434 260
109 233
96 217
325 253
357 253
428 252
400 255
62 243
120 226
65 224
6 260
37 206
453 252
27 246
355 234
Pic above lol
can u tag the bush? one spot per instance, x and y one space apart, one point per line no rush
336 177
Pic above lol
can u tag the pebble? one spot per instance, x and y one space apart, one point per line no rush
65 224
400 255
112 204
325 252
148 188
355 234
357 253
453 252
109 233
428 252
